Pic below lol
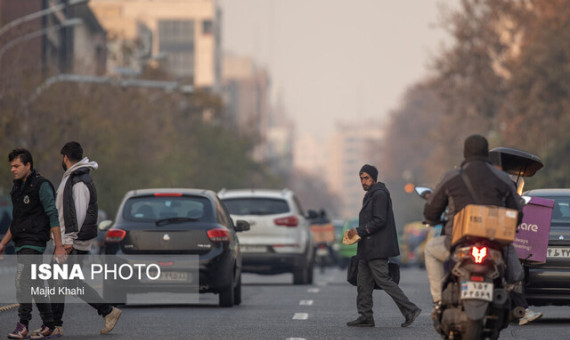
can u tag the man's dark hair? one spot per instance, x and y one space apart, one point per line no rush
73 151
24 155
476 146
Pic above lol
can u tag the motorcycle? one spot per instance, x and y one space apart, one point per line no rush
476 297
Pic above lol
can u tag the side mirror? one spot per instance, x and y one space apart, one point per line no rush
242 225
312 214
104 225
423 192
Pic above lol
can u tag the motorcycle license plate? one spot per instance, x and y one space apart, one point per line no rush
477 290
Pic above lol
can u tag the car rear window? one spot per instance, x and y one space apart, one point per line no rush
153 208
561 210
256 206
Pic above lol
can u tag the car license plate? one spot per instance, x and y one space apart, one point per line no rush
558 252
322 251
169 276
477 290
253 249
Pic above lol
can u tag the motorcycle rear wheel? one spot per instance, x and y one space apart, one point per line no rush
473 330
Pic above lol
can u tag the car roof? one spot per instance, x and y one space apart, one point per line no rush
271 193
548 192
184 191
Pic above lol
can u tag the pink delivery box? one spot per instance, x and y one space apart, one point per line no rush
531 239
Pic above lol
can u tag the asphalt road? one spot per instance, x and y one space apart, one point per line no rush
273 308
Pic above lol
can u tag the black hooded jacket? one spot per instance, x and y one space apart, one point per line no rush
376 225
30 223
491 185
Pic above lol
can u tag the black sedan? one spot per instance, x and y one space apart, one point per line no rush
549 283
179 240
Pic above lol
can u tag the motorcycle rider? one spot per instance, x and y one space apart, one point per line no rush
492 187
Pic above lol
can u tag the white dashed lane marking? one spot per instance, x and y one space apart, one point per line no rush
306 302
313 290
301 316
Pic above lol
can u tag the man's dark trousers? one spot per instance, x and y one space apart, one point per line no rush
91 296
377 271
26 257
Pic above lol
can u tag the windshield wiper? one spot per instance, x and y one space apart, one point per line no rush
171 220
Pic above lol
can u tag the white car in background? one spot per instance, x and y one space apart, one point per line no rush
279 239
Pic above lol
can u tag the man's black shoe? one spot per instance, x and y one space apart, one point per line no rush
410 319
361 322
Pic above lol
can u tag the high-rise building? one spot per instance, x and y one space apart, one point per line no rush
246 89
183 36
338 159
351 147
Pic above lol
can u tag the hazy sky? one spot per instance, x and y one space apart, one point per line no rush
336 60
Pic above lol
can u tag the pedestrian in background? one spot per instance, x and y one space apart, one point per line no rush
76 202
34 216
378 242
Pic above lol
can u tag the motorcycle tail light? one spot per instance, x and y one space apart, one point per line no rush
479 254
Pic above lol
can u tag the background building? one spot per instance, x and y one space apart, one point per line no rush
182 36
338 160
246 91
351 146
67 39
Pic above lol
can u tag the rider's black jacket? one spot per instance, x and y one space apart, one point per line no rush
491 185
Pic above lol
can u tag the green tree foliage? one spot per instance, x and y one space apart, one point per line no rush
506 75
141 138
537 117
411 155
313 194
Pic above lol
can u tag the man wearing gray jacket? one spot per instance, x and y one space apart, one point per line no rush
76 203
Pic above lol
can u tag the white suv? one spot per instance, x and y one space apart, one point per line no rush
279 239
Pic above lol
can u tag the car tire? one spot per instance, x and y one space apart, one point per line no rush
114 295
237 293
310 270
226 295
301 274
